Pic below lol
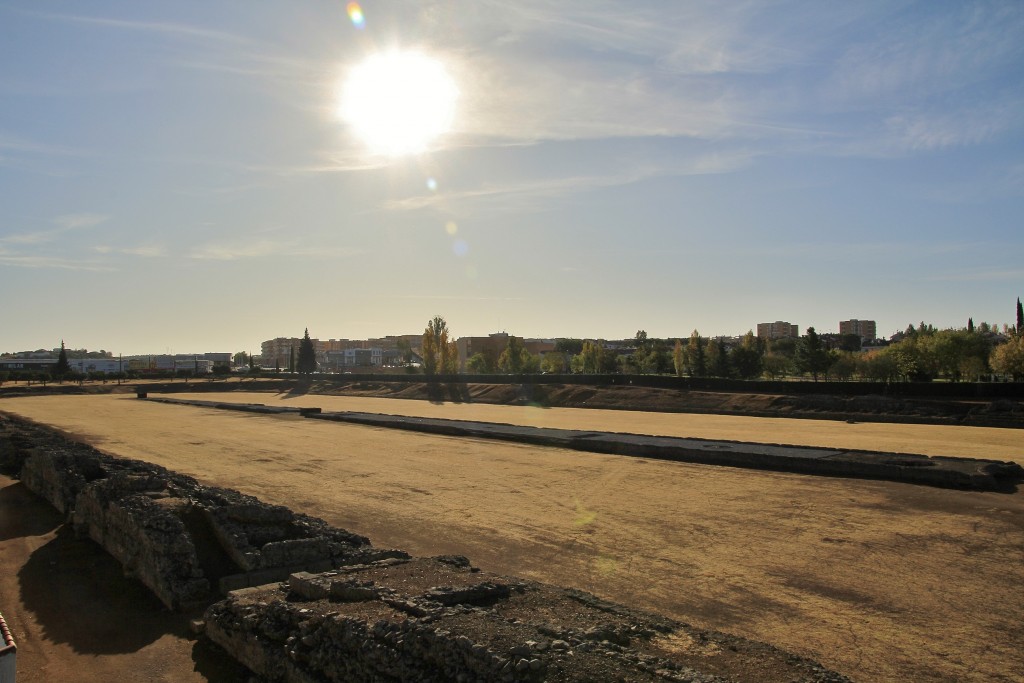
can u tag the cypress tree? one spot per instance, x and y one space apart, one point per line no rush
307 355
1020 317
63 367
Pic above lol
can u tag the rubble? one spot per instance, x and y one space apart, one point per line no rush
430 620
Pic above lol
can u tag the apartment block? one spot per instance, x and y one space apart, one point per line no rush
777 330
865 329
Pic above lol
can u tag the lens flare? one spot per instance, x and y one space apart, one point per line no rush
451 227
355 13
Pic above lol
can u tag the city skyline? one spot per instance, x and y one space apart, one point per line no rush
179 175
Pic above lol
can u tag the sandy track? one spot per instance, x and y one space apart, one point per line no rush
968 442
879 580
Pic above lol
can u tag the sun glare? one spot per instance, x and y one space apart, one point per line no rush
398 102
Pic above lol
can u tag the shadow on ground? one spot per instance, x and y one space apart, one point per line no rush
216 666
16 498
81 597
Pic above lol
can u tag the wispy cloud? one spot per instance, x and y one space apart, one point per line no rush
74 221
65 223
548 188
171 29
33 261
150 251
268 248
916 57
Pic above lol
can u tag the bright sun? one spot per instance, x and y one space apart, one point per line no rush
398 102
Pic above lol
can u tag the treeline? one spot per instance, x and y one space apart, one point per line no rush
923 354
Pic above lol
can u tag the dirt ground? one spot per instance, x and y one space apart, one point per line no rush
878 580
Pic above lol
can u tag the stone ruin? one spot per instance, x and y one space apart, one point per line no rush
186 542
440 619
309 603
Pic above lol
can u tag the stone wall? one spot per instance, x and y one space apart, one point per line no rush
181 539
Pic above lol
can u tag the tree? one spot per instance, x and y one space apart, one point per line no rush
514 359
594 359
679 358
479 364
405 350
776 365
641 358
659 358
850 342
306 364
570 346
439 354
720 365
746 358
240 358
811 355
696 361
63 367
554 362
843 366
1020 317
1008 358
970 324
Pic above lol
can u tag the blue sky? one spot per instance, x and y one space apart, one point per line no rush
175 176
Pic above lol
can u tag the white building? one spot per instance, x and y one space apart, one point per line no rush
107 366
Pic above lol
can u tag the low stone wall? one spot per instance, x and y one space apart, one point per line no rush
181 539
138 521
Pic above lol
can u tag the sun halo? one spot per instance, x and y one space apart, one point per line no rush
398 102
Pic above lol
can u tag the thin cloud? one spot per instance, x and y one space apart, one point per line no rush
26 261
143 251
65 223
558 187
944 53
267 248
170 29
74 221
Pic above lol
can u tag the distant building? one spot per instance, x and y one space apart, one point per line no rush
28 364
355 358
107 366
490 346
166 362
865 329
777 330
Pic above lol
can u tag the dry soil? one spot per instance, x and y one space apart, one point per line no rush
878 580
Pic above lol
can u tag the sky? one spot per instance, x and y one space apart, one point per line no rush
177 177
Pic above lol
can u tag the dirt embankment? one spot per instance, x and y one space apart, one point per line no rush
980 413
874 408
